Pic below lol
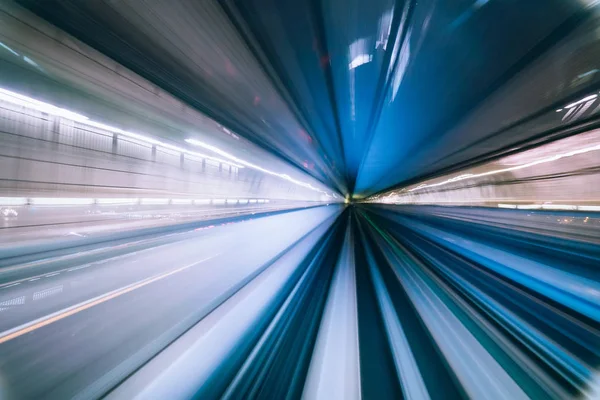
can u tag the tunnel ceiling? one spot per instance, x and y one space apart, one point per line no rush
364 95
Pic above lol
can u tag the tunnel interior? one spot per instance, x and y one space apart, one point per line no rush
317 199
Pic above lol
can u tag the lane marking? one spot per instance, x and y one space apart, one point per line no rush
52 274
209 217
34 279
47 292
99 262
81 267
57 316
91 252
146 241
11 285
90 264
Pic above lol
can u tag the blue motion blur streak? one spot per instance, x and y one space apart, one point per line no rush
172 175
536 311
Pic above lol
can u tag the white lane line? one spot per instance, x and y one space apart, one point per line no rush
43 261
11 285
81 267
34 279
99 262
104 260
57 316
53 274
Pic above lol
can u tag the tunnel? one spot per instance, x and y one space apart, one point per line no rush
299 199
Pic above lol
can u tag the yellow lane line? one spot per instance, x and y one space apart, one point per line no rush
49 319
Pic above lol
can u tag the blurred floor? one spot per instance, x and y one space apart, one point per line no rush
376 302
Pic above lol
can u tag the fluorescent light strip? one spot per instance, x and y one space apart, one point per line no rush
155 142
253 166
592 97
25 101
588 208
360 60
75 201
117 201
154 201
181 201
507 206
9 49
515 168
565 207
13 201
558 207
60 201
529 206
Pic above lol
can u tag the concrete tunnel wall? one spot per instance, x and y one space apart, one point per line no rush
49 155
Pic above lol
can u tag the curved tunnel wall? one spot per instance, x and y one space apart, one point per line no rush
46 64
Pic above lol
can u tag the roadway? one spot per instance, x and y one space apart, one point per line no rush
39 223
74 324
384 302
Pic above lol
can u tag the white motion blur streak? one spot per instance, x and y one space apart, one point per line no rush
87 201
25 101
413 386
28 102
254 166
186 367
515 168
593 392
334 371
579 293
478 372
